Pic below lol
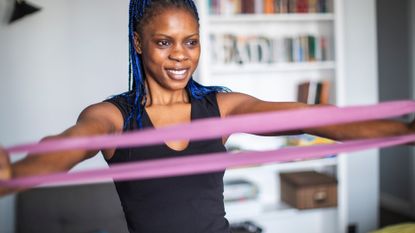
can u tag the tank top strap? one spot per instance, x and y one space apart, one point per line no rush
205 107
124 102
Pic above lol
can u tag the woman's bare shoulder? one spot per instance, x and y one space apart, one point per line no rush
105 113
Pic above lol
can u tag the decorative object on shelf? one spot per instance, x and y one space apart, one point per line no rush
22 9
239 190
308 190
245 227
306 140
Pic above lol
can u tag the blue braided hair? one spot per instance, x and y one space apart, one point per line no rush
140 12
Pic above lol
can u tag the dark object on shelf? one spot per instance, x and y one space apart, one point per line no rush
308 190
352 228
21 9
245 227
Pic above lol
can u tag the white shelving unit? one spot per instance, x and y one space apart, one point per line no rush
265 81
278 82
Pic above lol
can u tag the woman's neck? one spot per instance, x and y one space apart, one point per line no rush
157 95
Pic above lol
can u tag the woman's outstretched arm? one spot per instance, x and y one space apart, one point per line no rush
98 119
237 103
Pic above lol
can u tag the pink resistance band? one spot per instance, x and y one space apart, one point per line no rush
210 128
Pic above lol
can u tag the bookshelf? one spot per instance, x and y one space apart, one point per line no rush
254 18
278 81
223 69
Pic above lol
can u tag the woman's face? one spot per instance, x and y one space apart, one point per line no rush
170 48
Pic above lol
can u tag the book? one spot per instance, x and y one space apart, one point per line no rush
312 6
269 7
248 6
292 6
302 92
302 6
314 92
259 6
283 6
311 48
324 94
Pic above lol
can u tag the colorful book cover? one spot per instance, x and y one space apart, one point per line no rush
269 7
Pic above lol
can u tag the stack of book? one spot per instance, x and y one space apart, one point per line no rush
229 7
314 92
239 49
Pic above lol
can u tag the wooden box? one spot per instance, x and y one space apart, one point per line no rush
307 190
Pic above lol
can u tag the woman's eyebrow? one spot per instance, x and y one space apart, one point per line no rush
169 36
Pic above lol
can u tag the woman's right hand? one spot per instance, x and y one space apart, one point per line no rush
5 166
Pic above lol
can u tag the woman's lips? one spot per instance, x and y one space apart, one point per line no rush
177 74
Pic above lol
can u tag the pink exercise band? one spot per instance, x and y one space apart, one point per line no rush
277 121
209 128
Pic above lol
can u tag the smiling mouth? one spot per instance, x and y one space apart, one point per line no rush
177 74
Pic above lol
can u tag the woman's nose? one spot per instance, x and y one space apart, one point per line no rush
178 54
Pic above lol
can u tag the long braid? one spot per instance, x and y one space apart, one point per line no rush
139 11
136 74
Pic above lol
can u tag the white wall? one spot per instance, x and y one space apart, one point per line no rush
53 64
358 74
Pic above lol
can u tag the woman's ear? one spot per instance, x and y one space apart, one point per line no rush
137 43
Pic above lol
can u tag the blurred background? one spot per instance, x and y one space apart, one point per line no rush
72 53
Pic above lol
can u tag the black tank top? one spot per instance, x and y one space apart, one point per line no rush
182 204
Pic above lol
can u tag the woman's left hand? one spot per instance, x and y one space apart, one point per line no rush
411 127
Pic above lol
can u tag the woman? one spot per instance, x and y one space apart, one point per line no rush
164 53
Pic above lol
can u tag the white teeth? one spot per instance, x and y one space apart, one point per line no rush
177 72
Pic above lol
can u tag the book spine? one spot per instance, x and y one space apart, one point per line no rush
250 6
302 6
312 6
302 92
292 6
322 6
283 6
259 6
311 47
277 6
269 7
312 89
325 92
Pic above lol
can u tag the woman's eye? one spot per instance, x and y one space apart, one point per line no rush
163 43
193 43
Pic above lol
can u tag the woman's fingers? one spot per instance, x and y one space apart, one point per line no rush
5 167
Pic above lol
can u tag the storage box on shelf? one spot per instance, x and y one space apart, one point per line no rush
308 190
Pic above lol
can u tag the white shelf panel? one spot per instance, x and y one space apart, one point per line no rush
224 69
255 18
283 167
274 218
244 210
